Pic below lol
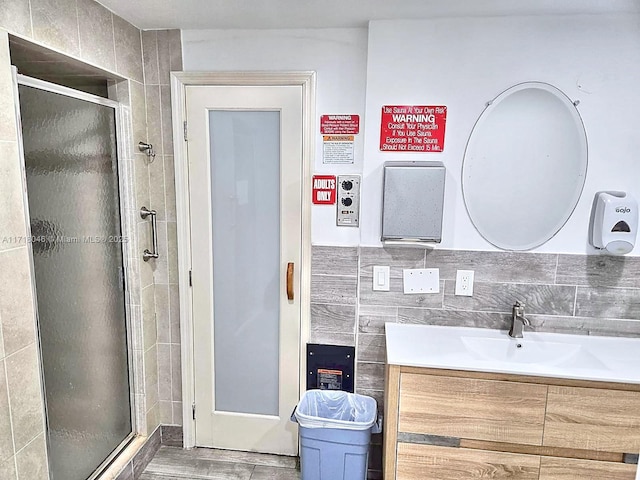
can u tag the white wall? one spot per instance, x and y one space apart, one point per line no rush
461 63
464 62
339 58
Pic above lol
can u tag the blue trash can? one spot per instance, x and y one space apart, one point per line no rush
335 432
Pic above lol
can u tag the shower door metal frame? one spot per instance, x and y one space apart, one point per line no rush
127 247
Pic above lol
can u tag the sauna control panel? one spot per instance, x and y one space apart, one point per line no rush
348 201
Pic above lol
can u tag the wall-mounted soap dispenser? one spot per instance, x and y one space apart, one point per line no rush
614 222
412 202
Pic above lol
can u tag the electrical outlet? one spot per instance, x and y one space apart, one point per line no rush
464 283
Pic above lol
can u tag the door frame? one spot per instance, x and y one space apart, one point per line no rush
179 82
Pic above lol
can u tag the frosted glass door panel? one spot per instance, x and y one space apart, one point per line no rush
72 187
245 196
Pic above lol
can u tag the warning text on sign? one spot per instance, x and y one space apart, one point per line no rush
412 128
340 124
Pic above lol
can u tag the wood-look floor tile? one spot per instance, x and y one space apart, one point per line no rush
341 261
154 476
194 468
397 258
333 318
246 457
274 473
210 464
333 289
500 297
499 267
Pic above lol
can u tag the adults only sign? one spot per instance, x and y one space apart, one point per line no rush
324 189
413 128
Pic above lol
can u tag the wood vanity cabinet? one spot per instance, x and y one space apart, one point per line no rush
446 425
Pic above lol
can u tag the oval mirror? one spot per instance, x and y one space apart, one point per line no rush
524 166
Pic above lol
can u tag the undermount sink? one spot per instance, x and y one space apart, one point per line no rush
542 354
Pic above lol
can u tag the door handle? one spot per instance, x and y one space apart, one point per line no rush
290 281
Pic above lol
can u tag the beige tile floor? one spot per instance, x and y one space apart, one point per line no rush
172 463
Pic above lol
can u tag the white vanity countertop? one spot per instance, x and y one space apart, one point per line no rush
578 357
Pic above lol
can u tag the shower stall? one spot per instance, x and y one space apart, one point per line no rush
73 197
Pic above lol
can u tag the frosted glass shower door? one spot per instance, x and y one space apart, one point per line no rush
245 148
72 189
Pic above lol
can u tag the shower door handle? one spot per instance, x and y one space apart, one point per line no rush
290 281
144 213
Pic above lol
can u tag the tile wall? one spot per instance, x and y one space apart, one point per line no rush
162 54
85 30
589 295
22 447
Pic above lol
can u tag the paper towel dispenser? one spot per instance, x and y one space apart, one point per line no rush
412 201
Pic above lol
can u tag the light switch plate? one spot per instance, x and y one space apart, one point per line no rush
381 278
421 280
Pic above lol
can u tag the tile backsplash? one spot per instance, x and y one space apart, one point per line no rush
580 294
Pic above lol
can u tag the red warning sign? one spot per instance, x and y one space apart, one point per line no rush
324 189
340 124
412 128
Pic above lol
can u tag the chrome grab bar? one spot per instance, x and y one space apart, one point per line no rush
144 213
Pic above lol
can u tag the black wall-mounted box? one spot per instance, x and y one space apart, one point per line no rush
330 367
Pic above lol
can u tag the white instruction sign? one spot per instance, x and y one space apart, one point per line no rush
337 148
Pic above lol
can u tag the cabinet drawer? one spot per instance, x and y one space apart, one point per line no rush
419 462
472 408
571 469
593 419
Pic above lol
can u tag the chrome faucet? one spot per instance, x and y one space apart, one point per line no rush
518 320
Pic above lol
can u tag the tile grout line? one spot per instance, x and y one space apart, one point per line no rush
29 443
3 349
31 19
170 372
13 249
115 58
332 274
13 436
356 334
78 30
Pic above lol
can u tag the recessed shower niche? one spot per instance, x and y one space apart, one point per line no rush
524 166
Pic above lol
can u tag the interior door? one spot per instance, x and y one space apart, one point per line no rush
245 170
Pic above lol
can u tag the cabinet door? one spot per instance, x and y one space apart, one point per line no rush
593 419
420 462
470 408
571 469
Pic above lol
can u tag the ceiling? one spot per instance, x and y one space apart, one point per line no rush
276 14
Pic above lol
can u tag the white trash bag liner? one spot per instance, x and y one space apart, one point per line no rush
336 409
